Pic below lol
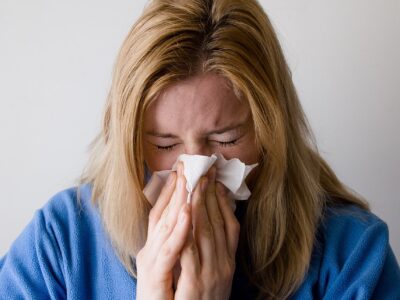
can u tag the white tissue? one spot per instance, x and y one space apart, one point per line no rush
232 173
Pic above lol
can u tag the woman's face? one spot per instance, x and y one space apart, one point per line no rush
200 115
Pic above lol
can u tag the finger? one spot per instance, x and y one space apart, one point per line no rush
162 202
168 252
188 282
170 214
215 217
232 225
190 261
178 197
203 232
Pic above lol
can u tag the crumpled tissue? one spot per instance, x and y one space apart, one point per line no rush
232 173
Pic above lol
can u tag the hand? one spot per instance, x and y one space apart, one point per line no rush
169 225
208 257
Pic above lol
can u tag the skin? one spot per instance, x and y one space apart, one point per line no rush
200 115
184 116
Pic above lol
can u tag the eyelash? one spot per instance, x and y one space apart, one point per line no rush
226 144
167 148
222 144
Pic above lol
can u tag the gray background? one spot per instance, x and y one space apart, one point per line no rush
56 59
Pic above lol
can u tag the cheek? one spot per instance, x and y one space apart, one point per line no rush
158 161
246 154
246 151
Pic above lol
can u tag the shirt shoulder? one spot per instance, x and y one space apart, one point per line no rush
352 257
73 221
73 200
65 250
347 226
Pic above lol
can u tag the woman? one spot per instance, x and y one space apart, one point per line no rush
203 77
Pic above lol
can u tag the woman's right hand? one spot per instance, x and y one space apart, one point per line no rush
169 225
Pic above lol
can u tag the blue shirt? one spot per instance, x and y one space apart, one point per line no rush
64 252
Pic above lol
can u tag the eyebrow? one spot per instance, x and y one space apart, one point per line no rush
217 131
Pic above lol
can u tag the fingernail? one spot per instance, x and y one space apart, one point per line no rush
204 184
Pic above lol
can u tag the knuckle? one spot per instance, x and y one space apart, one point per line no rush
225 275
211 279
207 230
219 221
192 248
165 251
166 229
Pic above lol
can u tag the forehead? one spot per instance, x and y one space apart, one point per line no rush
202 102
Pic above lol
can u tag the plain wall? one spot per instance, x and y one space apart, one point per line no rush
56 61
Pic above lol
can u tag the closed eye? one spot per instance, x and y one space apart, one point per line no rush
222 144
227 144
165 148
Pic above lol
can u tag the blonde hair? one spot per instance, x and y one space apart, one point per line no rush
172 41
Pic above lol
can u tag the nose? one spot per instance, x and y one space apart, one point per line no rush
198 149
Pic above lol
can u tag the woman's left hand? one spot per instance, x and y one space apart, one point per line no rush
208 257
